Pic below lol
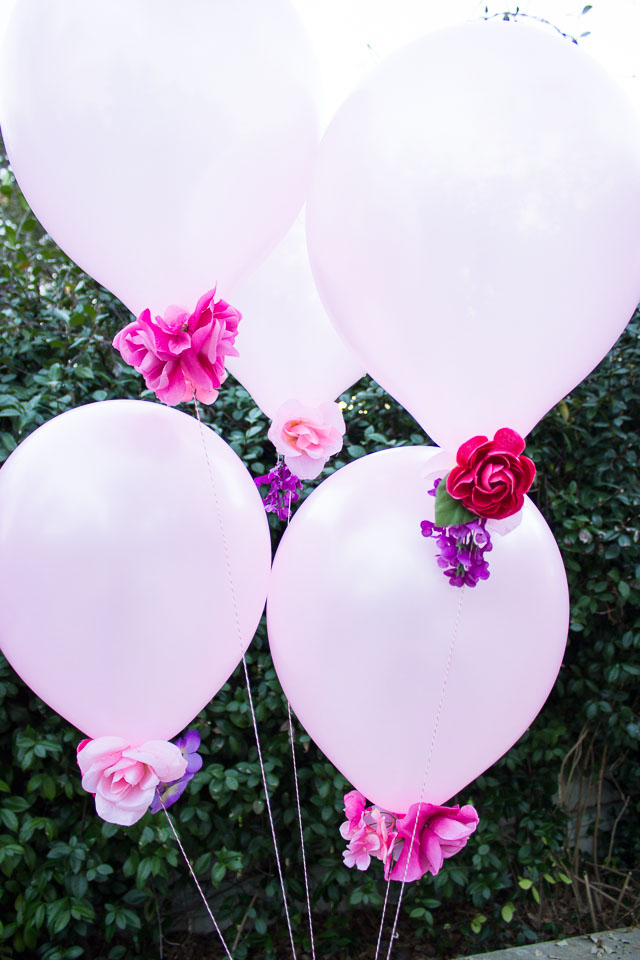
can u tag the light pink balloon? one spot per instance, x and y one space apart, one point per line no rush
474 224
115 600
166 146
289 349
361 621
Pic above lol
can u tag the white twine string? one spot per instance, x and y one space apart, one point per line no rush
298 805
304 858
423 787
195 880
254 720
384 910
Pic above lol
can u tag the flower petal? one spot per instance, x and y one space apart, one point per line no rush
508 440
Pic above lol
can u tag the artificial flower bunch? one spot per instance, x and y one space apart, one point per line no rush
485 488
284 489
462 548
182 354
305 437
126 780
409 845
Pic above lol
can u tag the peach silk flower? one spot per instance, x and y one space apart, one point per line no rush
307 436
124 778
181 355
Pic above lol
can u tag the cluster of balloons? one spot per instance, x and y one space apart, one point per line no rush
473 226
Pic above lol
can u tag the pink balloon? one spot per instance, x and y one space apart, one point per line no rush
474 224
361 621
115 600
166 146
289 349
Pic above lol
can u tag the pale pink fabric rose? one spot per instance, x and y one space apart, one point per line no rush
123 778
440 832
307 436
181 355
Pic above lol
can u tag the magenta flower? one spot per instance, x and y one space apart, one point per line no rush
354 804
440 832
181 355
168 793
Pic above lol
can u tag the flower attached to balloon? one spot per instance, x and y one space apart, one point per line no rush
408 845
181 355
284 489
305 436
167 793
483 493
126 780
491 477
461 546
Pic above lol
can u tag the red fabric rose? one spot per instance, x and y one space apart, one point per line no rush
491 478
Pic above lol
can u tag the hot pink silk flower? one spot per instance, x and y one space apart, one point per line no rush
124 778
440 832
181 355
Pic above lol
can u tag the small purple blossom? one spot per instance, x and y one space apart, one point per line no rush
189 746
461 548
282 492
167 793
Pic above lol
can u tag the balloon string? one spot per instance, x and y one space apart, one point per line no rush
304 858
254 720
295 780
425 778
384 910
195 880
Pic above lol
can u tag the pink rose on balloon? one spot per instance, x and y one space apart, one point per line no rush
307 436
181 355
491 477
123 778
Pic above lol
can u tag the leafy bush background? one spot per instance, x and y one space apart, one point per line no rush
74 886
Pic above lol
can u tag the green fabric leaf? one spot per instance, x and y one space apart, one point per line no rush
450 512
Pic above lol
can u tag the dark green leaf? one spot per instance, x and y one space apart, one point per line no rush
450 512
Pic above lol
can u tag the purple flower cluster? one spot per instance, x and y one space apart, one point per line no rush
168 793
462 549
282 492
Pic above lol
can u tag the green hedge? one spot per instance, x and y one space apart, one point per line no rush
64 891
